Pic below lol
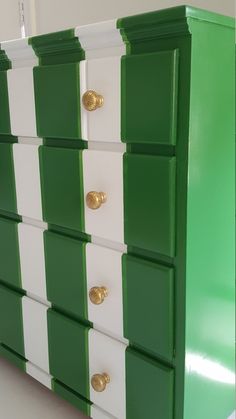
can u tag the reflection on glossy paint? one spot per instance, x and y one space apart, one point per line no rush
212 370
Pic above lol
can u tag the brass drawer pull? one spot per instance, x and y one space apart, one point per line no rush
95 199
100 381
98 294
92 100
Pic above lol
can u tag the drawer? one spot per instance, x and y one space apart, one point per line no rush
121 197
101 369
149 97
118 293
7 176
5 127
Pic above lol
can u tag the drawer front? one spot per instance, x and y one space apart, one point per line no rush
57 95
10 271
5 127
149 97
7 176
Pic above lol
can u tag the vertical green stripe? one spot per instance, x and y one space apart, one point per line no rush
10 271
72 397
7 175
13 357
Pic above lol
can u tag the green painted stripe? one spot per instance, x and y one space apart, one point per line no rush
72 397
58 47
5 62
13 357
5 124
10 271
11 320
7 175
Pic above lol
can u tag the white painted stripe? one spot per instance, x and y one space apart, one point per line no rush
103 172
27 178
22 102
109 244
106 146
107 355
233 416
36 223
101 39
110 334
38 299
97 413
39 375
20 53
32 260
35 333
104 269
30 140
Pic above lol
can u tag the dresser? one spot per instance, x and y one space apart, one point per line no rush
117 214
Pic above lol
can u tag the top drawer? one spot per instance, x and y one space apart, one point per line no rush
113 99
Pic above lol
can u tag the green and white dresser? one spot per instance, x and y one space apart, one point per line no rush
117 214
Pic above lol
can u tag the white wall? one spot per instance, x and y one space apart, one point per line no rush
44 16
52 15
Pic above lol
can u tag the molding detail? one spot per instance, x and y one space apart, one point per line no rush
20 53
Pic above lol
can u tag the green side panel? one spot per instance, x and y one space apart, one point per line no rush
13 357
149 388
149 190
62 187
72 397
57 100
57 47
7 176
9 253
149 97
68 352
148 305
210 288
11 320
5 127
66 273
5 63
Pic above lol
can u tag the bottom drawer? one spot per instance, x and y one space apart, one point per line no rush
111 375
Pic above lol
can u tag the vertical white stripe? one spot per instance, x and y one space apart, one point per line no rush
35 333
39 375
97 413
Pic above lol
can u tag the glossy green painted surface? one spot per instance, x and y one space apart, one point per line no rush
149 388
11 321
9 253
5 127
68 352
7 176
57 100
210 331
149 97
66 273
149 190
13 357
62 187
72 397
148 305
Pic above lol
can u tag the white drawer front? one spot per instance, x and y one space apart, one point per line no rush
27 177
107 355
104 269
103 172
32 261
35 333
103 75
21 102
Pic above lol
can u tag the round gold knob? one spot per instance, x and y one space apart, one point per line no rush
97 295
92 100
100 381
95 199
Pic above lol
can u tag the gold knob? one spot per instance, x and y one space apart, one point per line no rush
95 199
92 100
100 381
97 295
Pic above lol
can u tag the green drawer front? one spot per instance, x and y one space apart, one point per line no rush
62 187
57 99
9 253
149 388
148 305
5 127
11 320
66 273
149 194
149 97
68 352
7 176
72 397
